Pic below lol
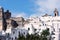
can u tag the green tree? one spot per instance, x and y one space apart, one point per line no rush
21 37
45 34
32 37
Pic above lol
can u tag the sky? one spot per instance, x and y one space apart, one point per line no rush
27 8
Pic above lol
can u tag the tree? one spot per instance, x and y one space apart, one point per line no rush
45 34
32 37
21 37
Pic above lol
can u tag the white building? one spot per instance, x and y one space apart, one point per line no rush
37 25
15 33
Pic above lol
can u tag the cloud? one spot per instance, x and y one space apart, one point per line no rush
21 14
46 6
41 7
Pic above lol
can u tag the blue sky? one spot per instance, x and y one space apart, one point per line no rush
18 6
27 8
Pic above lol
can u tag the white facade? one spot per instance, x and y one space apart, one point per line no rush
16 31
41 23
37 25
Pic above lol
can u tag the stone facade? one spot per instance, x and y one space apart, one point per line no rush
7 21
1 18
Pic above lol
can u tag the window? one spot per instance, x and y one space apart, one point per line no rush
48 29
39 25
35 29
53 29
53 38
13 32
43 24
19 32
15 38
8 34
12 38
24 32
28 29
59 29
53 33
55 14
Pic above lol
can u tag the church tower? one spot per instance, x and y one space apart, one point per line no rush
56 13
1 18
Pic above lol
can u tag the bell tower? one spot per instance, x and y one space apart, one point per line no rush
56 13
1 18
